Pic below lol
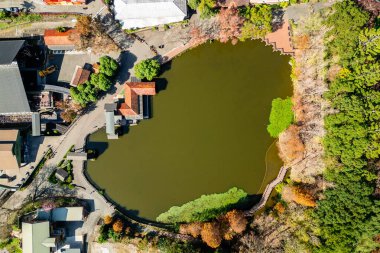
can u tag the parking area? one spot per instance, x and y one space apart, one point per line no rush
66 64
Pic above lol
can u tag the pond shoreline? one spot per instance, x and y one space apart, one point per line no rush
130 175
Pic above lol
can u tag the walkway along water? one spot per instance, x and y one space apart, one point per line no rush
268 190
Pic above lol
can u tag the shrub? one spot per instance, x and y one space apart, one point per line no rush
211 234
237 221
107 219
281 116
147 69
118 226
204 208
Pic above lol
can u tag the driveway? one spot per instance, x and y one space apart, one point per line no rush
92 8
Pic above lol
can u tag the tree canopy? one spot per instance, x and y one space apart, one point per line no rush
108 66
281 116
147 69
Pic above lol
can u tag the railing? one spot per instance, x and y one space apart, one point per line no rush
268 190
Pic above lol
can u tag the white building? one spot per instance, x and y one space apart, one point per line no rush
145 13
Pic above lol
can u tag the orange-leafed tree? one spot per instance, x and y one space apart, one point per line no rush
302 197
193 229
211 234
107 219
237 221
118 226
83 25
230 24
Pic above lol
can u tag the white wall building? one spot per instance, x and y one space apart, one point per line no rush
145 13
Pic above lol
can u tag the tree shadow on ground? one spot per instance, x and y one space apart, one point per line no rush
127 61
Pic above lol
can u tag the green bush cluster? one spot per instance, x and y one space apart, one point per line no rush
205 8
258 21
281 116
204 208
349 215
102 81
11 245
147 69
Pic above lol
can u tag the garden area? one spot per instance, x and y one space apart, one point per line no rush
65 169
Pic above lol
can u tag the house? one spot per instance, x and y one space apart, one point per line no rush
49 229
65 2
59 42
14 104
135 100
109 110
145 13
36 237
61 175
10 149
80 76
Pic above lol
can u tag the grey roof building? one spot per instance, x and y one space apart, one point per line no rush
9 49
13 98
61 174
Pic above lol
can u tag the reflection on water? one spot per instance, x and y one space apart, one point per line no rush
208 132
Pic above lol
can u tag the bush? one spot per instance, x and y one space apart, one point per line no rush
281 116
204 208
147 69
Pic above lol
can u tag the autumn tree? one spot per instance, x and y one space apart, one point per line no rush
237 221
68 115
230 24
83 25
290 145
211 234
194 229
118 226
302 197
107 219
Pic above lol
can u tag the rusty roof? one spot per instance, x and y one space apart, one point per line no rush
80 76
53 37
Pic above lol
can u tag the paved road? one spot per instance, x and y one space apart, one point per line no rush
93 7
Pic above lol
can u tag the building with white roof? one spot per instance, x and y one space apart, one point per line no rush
145 13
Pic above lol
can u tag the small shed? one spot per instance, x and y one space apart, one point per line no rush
77 156
61 174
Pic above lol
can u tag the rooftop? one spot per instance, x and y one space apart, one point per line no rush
33 236
12 96
53 37
67 214
132 92
143 13
9 50
8 135
80 76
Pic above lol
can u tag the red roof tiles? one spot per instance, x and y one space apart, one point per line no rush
131 92
53 38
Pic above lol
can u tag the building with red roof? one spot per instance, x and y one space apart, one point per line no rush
65 2
135 93
56 40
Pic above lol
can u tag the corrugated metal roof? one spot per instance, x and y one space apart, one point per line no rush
144 13
9 50
12 93
33 234
67 214
110 123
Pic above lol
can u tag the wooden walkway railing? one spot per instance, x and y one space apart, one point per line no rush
268 190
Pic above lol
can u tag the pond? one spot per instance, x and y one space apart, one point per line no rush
207 134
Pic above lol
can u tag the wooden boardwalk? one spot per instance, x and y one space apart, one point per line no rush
268 190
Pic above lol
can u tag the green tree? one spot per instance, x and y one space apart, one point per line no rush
346 23
281 116
147 69
108 66
193 4
258 21
61 29
206 8
101 81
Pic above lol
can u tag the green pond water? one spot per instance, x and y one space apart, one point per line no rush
207 134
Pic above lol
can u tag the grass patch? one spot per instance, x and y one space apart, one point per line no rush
204 208
281 116
11 245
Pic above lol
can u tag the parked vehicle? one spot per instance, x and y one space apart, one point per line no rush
48 70
13 10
